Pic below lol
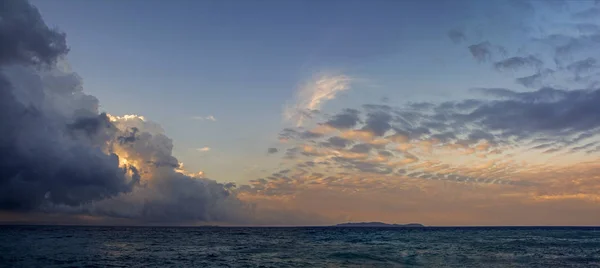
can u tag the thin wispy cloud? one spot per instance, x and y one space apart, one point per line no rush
205 118
314 94
203 149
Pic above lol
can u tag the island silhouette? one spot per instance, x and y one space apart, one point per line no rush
377 224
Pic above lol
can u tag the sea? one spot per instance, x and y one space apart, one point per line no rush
72 246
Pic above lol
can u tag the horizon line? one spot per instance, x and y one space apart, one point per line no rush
5 224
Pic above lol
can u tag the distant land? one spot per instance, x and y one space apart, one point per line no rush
377 224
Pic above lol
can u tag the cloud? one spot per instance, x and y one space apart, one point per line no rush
49 152
203 149
381 140
202 118
560 54
519 62
457 36
345 120
314 94
378 123
59 155
535 80
289 133
336 142
472 158
26 38
582 66
485 51
502 155
546 111
499 153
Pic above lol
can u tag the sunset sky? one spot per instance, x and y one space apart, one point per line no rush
302 112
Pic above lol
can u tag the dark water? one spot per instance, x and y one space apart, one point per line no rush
51 246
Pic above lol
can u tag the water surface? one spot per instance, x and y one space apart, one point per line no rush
56 246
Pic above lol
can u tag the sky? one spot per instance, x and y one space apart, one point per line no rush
300 112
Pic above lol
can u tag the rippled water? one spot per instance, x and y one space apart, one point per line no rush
51 246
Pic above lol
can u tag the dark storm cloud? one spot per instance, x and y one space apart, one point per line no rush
39 161
24 36
96 129
91 125
56 150
188 199
129 137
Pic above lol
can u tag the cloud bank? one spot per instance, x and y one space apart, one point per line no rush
519 155
59 154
